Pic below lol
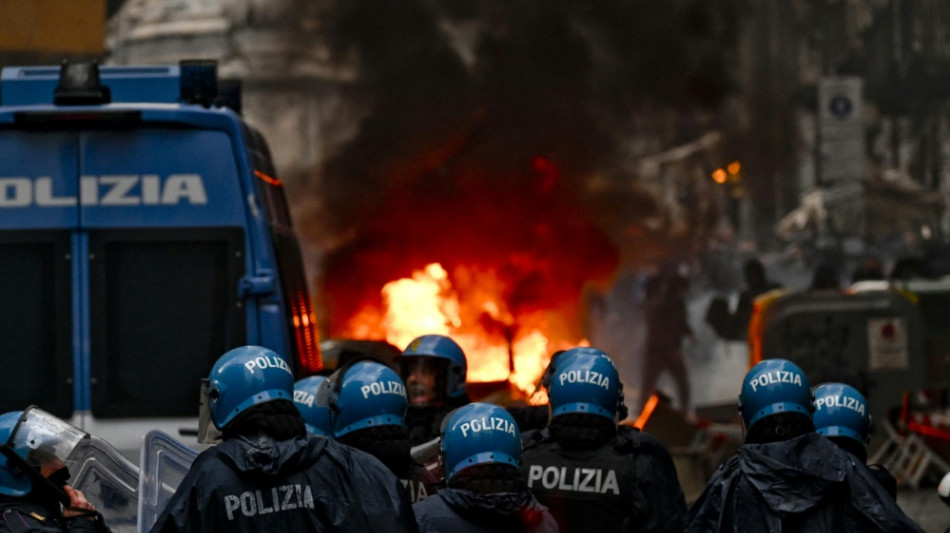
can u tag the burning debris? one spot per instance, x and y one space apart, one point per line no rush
484 190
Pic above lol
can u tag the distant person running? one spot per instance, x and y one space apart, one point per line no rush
667 324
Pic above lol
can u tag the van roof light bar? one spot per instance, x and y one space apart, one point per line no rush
229 95
198 81
79 84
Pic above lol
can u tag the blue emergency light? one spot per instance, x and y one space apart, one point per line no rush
79 85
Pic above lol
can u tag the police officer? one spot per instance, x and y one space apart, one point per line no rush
268 473
366 403
842 415
786 477
593 474
316 417
433 367
481 453
34 493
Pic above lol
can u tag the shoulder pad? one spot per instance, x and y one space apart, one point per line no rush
628 439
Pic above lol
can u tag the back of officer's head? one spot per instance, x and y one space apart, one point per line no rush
316 417
481 449
251 388
775 402
585 397
366 401
842 415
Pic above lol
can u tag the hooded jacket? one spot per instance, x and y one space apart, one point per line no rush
802 484
464 511
307 483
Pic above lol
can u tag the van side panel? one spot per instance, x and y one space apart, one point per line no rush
38 185
193 183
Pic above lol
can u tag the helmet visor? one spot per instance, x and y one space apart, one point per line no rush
207 432
44 441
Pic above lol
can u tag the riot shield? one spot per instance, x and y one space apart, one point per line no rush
108 480
164 462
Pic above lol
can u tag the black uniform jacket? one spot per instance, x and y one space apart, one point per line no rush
21 516
803 484
463 511
627 485
308 483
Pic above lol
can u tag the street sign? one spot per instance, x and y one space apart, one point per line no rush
841 130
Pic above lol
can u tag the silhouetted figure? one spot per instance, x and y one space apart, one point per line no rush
667 324
734 325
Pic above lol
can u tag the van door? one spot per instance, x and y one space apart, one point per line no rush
38 214
162 209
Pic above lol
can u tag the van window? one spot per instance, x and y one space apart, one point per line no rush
269 188
36 321
164 307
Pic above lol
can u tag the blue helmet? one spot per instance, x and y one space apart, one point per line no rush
14 481
585 381
245 377
774 386
316 417
363 394
841 411
479 433
35 443
441 348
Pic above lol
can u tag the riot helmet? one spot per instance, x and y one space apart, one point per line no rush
433 368
363 394
316 417
773 387
544 382
478 434
35 448
585 381
841 411
245 377
13 479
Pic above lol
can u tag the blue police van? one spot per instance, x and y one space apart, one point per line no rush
143 232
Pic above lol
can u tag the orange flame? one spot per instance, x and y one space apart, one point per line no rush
497 346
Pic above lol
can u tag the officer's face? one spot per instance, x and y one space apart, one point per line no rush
50 465
421 374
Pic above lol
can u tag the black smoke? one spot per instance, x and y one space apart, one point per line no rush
497 125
